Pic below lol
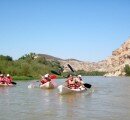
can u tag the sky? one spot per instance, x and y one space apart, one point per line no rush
87 30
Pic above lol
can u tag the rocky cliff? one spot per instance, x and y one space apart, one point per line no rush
120 57
114 64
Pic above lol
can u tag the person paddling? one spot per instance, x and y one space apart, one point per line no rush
70 82
45 78
80 79
8 79
86 85
2 79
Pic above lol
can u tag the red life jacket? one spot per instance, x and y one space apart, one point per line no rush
8 80
43 81
3 80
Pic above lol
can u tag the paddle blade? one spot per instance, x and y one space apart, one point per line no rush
55 72
70 68
87 85
53 76
14 83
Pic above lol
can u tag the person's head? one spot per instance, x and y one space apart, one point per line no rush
79 76
69 75
8 75
46 75
1 75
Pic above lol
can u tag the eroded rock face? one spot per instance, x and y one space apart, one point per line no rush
119 59
114 64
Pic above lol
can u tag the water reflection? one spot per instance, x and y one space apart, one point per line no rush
69 98
4 90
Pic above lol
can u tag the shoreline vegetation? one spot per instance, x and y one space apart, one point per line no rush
64 75
32 67
18 78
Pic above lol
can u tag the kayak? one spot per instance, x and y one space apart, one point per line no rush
65 90
47 85
5 85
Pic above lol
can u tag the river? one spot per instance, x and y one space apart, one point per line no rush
109 101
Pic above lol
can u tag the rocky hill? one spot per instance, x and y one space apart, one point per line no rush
48 57
114 64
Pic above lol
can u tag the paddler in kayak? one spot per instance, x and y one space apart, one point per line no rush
80 79
8 79
86 85
70 83
2 79
45 78
74 82
79 82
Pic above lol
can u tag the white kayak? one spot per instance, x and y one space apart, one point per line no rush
65 90
5 85
47 85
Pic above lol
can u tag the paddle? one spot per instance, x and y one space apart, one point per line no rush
85 84
14 83
55 72
70 68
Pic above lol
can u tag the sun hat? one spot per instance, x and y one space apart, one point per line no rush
46 75
79 76
8 75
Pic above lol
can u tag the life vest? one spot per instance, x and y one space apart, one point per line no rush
43 81
8 80
71 83
77 83
2 80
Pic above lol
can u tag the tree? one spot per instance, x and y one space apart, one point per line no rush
8 58
30 56
127 70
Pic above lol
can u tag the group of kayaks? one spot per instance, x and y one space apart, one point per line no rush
62 89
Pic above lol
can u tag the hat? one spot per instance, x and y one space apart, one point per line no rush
8 75
79 76
1 74
46 75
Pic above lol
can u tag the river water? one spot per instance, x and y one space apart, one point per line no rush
109 101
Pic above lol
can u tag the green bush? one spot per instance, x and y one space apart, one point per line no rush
127 70
27 66
23 78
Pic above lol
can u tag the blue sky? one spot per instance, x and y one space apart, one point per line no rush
87 30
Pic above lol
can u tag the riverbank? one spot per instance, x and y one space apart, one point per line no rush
24 78
30 78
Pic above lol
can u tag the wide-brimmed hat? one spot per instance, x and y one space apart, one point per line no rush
46 75
1 75
79 76
8 75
